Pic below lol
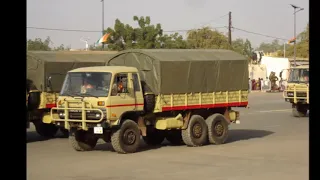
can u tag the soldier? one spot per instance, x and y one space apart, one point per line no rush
273 79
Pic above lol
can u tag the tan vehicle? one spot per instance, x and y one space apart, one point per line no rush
45 74
184 96
297 90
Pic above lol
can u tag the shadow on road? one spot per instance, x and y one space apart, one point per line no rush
35 137
143 146
246 134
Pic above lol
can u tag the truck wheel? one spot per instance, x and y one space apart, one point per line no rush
299 110
154 136
127 138
149 102
174 137
45 130
218 128
82 140
197 132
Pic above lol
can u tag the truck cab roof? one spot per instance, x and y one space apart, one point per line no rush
112 69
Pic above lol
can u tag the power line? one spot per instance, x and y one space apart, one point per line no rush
79 30
250 32
55 29
182 30
213 20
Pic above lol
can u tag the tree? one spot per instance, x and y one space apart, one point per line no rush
61 48
38 45
274 46
172 41
147 35
242 47
206 38
124 36
302 45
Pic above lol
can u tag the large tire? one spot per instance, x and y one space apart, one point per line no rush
82 140
127 138
218 128
174 137
45 130
299 110
149 103
197 132
154 136
34 99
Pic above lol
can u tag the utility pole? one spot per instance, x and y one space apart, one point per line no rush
230 26
102 21
295 10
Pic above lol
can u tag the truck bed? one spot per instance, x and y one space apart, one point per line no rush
173 102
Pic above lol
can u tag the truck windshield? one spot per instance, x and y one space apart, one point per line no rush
299 76
86 84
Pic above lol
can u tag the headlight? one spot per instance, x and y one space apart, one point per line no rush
61 115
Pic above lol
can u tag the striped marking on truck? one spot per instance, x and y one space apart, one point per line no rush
204 106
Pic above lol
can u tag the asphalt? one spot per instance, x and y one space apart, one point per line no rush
268 144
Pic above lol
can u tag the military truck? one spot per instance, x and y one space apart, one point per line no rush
297 90
185 96
45 75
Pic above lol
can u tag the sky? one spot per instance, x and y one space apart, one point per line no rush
269 17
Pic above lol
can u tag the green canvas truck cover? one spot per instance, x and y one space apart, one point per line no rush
187 70
43 64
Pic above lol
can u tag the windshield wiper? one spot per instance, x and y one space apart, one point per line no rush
67 94
89 94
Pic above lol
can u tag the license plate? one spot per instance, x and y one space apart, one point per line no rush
98 130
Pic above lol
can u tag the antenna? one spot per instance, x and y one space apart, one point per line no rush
85 40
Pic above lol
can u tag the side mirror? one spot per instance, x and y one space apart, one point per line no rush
49 84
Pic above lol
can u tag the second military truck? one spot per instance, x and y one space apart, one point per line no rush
185 96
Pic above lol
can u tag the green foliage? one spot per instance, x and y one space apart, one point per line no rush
61 48
206 38
270 47
302 46
145 36
39 45
149 36
242 47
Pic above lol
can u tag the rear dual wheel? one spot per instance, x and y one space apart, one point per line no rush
218 129
197 132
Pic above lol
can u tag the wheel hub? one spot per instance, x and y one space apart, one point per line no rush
218 129
197 130
129 137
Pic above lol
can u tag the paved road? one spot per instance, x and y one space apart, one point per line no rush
268 144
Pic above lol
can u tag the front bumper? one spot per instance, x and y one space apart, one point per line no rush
296 95
82 117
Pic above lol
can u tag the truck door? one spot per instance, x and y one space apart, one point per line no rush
138 91
121 100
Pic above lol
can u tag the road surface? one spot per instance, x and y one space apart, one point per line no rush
268 144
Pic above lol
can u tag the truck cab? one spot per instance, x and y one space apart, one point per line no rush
106 91
297 90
